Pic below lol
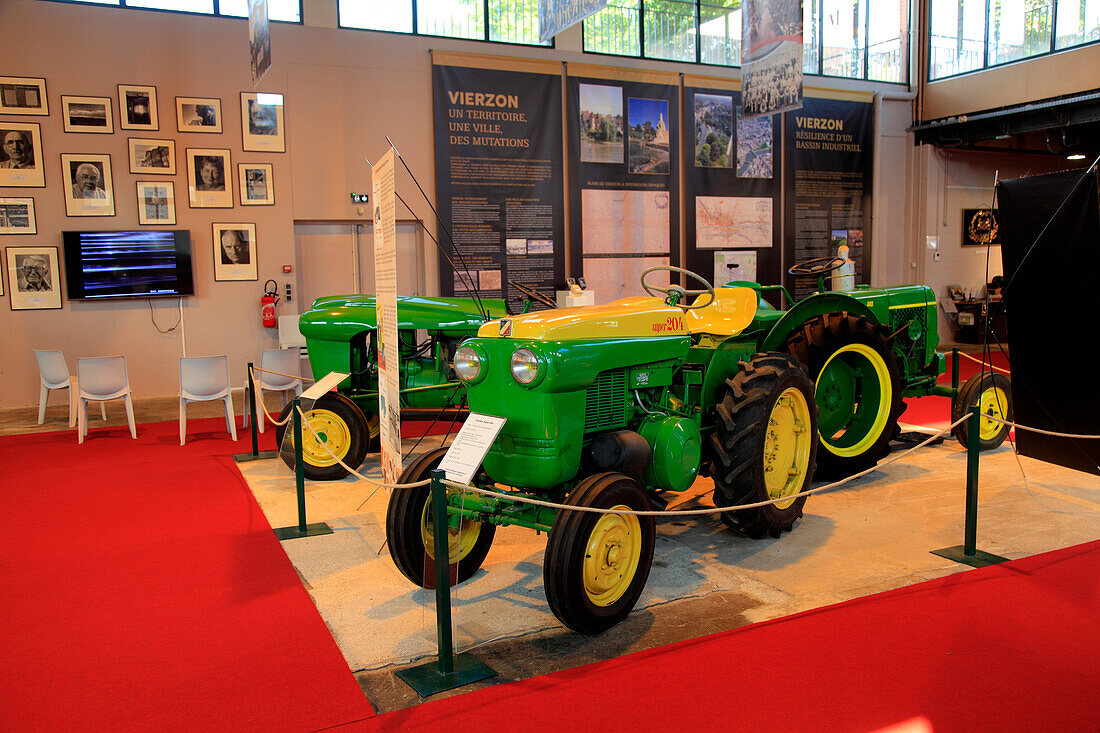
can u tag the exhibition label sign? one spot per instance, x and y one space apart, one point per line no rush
385 300
771 56
499 181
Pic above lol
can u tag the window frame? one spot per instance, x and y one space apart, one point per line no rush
1051 49
121 4
415 31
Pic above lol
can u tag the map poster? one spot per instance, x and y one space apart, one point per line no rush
499 181
732 189
623 175
828 201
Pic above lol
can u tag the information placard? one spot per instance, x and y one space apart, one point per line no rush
470 446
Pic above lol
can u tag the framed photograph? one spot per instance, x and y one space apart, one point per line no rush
981 228
88 187
262 122
256 184
34 279
235 252
21 160
21 95
137 107
17 217
207 185
198 114
152 156
87 114
156 201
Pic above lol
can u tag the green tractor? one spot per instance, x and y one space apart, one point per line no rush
613 406
341 335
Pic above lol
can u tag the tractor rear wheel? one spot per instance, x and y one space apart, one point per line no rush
596 565
410 529
991 393
343 429
764 444
857 387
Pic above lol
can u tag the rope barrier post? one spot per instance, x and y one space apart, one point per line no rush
302 529
449 671
955 370
968 553
250 400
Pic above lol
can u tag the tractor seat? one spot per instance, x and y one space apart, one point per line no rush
731 312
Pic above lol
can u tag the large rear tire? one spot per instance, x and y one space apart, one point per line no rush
410 528
857 388
342 427
596 565
764 444
991 393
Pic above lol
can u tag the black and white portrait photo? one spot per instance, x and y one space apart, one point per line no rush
196 114
234 247
234 251
207 183
209 173
137 107
262 122
88 187
21 154
34 274
33 278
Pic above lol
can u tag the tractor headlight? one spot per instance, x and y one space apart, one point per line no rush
526 366
467 364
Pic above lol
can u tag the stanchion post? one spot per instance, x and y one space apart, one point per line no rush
250 405
967 553
302 529
955 369
450 671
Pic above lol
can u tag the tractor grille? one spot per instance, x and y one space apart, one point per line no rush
605 404
900 318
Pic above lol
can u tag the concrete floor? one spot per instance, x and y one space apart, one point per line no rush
871 535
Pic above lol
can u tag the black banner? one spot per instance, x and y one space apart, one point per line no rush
623 173
828 202
732 182
499 180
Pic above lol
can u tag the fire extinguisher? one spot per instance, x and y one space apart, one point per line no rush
267 303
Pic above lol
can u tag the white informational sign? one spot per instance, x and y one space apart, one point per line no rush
730 266
259 39
385 303
470 446
771 56
325 384
557 15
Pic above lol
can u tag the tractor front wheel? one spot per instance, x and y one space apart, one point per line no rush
596 565
857 387
410 529
991 393
338 426
764 444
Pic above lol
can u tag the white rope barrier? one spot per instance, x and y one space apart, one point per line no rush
258 398
984 364
1018 426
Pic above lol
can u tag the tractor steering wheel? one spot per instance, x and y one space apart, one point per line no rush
674 294
533 294
817 266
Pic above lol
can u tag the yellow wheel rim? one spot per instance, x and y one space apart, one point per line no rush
993 403
787 446
862 364
333 433
611 556
460 540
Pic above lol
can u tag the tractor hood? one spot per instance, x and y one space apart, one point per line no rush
629 318
340 317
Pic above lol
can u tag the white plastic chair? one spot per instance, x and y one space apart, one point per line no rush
102 378
204 378
54 373
284 361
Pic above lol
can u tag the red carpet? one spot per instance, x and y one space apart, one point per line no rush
935 412
145 589
1006 648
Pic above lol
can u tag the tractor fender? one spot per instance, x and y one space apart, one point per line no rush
811 307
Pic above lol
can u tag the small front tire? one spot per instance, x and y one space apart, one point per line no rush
991 393
342 428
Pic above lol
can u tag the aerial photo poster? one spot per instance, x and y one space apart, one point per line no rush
623 173
828 201
499 164
732 189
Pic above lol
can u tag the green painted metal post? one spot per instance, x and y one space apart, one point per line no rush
302 529
252 411
955 369
451 670
970 532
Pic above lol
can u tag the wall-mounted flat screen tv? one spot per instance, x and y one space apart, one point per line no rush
133 264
